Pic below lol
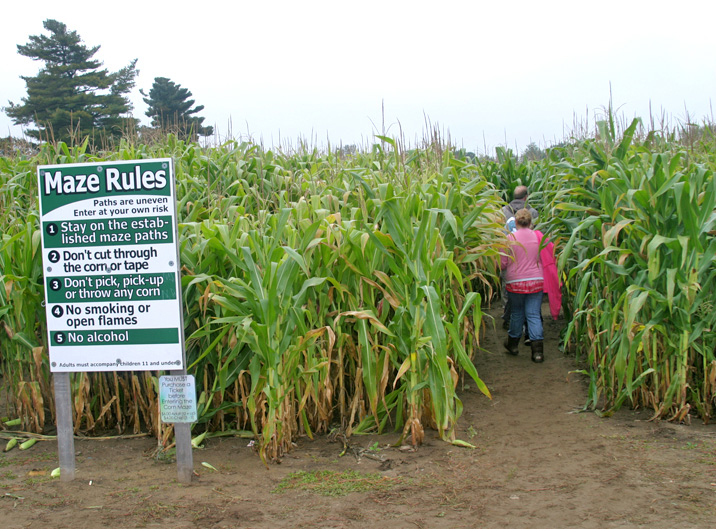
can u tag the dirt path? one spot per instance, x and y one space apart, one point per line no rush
537 465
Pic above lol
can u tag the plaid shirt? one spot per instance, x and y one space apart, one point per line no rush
530 286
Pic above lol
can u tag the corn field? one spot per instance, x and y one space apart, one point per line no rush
324 291
318 292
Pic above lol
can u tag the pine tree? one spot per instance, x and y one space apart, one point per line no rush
71 97
171 109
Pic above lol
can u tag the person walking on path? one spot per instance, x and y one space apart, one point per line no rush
524 280
519 201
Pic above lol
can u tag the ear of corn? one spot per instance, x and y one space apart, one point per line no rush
196 441
27 444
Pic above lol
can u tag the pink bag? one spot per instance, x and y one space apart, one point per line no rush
552 286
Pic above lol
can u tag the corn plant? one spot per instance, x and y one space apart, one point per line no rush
642 252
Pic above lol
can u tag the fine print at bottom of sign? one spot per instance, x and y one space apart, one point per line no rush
177 399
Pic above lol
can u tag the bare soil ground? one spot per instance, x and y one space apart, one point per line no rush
537 464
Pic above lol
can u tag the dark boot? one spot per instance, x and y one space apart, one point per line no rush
537 351
512 344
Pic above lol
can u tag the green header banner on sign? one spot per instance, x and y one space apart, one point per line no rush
109 185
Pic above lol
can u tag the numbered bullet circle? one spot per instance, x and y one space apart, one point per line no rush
57 311
52 229
55 284
53 256
59 337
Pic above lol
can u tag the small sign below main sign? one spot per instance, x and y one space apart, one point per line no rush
177 399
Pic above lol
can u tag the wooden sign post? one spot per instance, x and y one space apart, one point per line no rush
65 437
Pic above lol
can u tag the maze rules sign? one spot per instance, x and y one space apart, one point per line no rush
111 267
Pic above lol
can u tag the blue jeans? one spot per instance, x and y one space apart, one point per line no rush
526 307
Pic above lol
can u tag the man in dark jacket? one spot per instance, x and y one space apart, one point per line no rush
519 201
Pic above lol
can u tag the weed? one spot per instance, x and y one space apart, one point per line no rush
45 456
36 481
126 492
158 511
331 483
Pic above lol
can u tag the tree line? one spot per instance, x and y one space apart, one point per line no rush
73 97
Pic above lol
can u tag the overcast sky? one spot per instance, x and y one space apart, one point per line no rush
504 72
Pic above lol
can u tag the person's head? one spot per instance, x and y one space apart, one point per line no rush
520 192
523 218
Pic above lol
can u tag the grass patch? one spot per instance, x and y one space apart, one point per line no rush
331 483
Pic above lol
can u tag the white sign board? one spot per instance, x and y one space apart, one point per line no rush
112 283
177 399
